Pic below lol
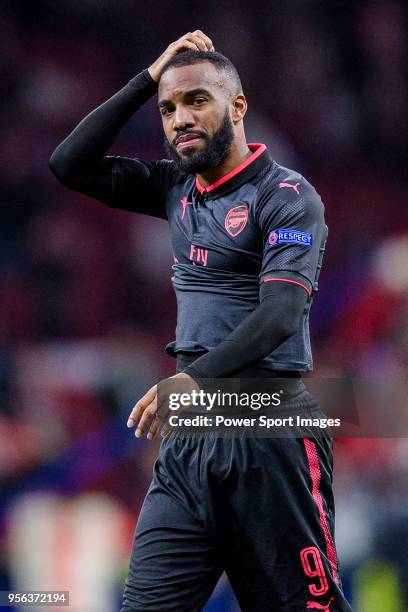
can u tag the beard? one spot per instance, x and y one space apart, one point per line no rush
216 150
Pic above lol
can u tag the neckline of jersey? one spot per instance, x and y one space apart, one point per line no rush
257 148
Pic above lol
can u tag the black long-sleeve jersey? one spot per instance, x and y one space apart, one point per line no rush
261 223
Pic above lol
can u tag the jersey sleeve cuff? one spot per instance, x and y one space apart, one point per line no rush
194 373
143 85
288 277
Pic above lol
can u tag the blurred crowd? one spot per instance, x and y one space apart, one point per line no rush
87 304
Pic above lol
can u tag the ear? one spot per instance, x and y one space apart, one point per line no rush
238 107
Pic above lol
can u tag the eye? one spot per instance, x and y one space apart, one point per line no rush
165 110
199 101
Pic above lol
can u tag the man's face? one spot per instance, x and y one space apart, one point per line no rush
194 106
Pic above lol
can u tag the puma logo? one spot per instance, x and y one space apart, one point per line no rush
290 186
184 203
318 606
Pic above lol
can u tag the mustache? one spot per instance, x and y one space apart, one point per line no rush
188 133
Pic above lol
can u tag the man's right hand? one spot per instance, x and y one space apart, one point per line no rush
196 41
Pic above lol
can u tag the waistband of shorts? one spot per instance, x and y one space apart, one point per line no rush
186 359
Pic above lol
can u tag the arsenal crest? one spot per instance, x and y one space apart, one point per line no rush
236 219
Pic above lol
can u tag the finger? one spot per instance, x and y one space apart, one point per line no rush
154 428
206 39
184 42
188 44
197 40
145 419
165 430
141 405
138 410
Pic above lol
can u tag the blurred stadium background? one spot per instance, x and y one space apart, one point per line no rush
86 299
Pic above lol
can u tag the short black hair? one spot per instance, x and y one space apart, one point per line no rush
223 65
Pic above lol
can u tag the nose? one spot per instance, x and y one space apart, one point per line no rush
182 117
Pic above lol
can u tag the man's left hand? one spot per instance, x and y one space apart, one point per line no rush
147 412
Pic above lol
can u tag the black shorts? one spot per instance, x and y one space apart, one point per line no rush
260 509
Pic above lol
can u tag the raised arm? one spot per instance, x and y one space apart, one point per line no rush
79 158
80 161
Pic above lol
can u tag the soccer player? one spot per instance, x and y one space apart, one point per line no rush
248 237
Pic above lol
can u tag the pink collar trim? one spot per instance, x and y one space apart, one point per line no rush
257 149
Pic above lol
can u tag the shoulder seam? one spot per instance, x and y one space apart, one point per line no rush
268 176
